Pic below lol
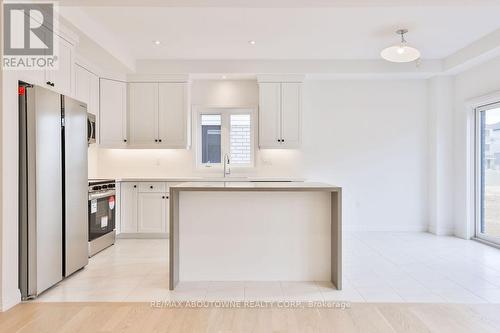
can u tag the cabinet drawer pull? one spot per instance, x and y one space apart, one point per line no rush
166 197
135 186
156 140
163 197
151 187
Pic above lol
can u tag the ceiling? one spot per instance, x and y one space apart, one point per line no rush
292 33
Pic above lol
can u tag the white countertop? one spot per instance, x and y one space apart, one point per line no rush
212 179
248 185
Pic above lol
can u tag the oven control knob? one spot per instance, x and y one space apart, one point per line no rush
111 186
96 188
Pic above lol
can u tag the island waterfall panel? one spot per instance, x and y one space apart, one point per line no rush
242 232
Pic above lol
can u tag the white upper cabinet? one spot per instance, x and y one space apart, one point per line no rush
93 104
158 114
87 88
269 115
143 113
82 84
173 115
280 105
113 114
291 101
60 79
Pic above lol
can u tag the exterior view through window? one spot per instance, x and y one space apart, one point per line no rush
226 131
241 146
488 173
211 138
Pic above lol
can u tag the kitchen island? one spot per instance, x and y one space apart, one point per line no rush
255 231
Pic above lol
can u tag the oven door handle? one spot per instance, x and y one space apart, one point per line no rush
101 195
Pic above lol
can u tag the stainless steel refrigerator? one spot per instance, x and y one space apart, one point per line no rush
53 227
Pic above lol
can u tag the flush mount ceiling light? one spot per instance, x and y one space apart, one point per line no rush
401 52
157 42
252 42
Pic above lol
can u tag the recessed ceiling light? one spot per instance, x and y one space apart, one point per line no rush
401 52
252 42
157 42
224 77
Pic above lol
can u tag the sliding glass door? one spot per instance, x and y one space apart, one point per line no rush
488 173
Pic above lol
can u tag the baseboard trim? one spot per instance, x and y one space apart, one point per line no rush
441 232
387 228
10 300
142 235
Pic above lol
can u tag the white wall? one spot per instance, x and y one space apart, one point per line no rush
478 81
367 136
440 139
370 138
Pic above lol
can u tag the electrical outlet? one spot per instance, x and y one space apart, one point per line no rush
266 162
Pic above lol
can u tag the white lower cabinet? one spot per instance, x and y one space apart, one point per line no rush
153 212
128 207
144 209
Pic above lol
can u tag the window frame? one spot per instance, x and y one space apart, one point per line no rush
225 113
478 181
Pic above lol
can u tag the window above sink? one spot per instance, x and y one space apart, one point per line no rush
221 131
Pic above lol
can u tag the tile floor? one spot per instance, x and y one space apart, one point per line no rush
378 267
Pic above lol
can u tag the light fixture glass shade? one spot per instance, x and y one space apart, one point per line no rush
400 53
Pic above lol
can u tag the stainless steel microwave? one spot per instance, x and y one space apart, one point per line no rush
91 128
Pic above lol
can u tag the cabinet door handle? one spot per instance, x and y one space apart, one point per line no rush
166 197
151 187
135 186
124 140
159 140
156 140
163 197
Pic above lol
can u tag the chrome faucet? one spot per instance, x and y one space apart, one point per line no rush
227 169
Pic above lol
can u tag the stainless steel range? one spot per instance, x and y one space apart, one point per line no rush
102 203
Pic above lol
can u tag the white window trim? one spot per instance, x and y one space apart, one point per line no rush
197 111
477 173
471 181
